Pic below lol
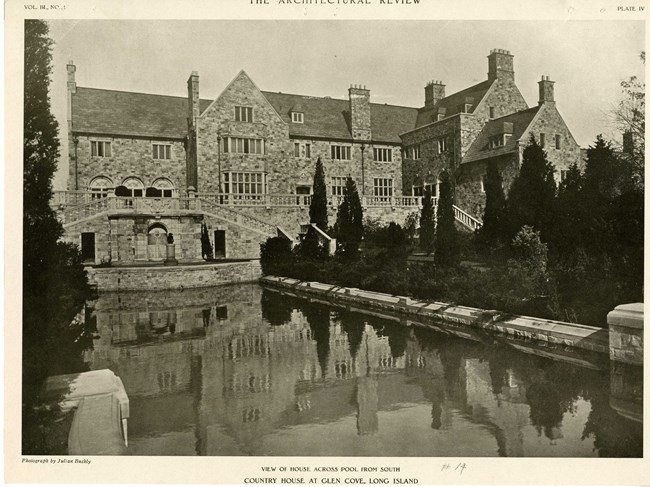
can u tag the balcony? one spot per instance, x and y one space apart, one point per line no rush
107 201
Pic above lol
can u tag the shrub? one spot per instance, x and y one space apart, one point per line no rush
274 253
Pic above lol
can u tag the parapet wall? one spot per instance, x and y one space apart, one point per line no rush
545 332
173 277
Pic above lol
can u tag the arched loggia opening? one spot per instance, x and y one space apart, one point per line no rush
156 241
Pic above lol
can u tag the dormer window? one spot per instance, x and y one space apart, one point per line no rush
466 108
297 117
243 114
497 141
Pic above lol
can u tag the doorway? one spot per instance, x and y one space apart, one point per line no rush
88 246
220 243
157 242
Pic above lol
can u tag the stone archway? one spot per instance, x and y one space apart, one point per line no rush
156 242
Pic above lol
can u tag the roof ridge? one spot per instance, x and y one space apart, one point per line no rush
137 93
335 99
467 89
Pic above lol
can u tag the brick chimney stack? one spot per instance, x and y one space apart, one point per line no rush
193 112
501 65
360 112
193 97
434 91
72 69
546 90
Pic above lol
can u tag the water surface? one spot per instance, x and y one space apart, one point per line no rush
238 370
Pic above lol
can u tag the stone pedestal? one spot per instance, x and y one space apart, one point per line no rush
626 334
170 258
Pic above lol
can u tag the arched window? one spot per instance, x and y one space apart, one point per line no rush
100 187
134 187
164 186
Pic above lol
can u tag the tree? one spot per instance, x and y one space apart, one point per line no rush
532 197
427 222
495 218
349 220
446 252
55 285
318 205
603 178
629 119
569 232
274 253
206 245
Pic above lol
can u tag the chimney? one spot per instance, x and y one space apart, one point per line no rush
629 142
500 65
72 84
193 97
434 91
546 92
191 156
360 112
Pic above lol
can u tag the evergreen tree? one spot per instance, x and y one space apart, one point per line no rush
206 245
495 217
55 285
603 179
446 245
568 233
427 222
349 220
532 197
318 205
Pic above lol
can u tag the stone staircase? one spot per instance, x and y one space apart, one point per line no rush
467 220
237 217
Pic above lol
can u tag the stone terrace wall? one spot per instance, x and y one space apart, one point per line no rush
175 277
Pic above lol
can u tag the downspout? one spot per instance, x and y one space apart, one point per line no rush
75 141
219 163
363 172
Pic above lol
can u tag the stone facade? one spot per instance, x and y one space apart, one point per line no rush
130 158
258 150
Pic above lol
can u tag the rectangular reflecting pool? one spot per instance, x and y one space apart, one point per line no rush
242 370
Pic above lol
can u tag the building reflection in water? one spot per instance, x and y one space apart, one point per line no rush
237 370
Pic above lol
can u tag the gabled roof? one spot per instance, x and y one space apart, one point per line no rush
105 112
330 118
453 102
520 121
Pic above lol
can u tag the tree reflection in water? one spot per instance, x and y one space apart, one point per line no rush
378 369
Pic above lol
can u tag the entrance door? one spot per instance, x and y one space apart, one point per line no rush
156 243
220 243
88 246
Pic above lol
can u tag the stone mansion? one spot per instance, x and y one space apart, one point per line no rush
142 166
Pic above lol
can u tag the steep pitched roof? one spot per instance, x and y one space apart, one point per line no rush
330 118
453 102
97 111
520 121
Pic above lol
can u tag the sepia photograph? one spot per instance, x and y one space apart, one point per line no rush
333 238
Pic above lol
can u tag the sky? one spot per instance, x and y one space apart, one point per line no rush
394 59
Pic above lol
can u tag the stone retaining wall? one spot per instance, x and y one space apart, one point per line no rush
545 332
173 277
